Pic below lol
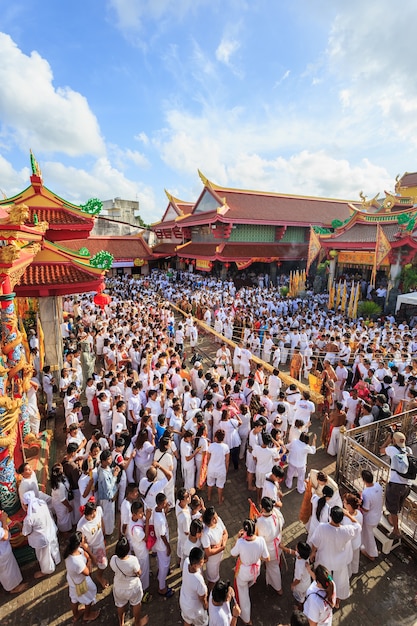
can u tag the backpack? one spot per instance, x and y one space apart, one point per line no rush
404 464
384 391
384 412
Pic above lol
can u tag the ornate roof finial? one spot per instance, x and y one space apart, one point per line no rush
362 196
36 170
169 196
204 179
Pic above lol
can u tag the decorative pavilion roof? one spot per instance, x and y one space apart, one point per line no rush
128 247
176 208
55 271
44 206
31 221
360 233
57 279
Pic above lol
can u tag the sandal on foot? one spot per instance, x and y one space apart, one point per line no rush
168 594
146 597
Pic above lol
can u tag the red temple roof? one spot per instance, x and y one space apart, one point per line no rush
245 206
64 218
362 233
242 251
128 247
408 180
56 280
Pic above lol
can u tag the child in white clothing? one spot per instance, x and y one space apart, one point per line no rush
302 578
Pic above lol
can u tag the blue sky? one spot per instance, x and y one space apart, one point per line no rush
128 97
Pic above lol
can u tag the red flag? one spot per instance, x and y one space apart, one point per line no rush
254 513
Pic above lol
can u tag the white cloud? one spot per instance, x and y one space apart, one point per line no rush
310 174
101 181
131 14
233 150
143 138
283 77
226 49
37 114
369 55
12 182
123 158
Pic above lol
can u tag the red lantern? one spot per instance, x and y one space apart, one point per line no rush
227 265
193 262
101 299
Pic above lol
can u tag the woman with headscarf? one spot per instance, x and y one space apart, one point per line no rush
82 589
40 529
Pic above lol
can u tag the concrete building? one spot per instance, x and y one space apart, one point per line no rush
118 217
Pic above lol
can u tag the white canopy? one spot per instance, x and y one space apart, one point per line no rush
406 298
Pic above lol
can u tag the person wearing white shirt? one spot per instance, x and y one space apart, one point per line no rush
265 455
218 456
267 348
297 460
372 507
398 487
194 592
304 408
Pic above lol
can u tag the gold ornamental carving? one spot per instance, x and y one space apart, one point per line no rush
18 214
9 253
15 275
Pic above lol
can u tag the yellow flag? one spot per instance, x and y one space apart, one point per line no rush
25 342
344 298
351 300
382 249
41 338
296 283
314 246
330 304
339 287
357 296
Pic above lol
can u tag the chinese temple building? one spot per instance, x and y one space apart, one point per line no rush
386 224
168 233
35 226
236 228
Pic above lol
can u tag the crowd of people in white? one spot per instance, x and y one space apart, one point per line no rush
162 431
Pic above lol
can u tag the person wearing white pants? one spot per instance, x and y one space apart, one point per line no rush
41 531
107 489
298 450
162 547
251 550
269 526
136 535
10 574
372 506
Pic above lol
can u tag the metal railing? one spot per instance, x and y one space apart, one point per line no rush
359 450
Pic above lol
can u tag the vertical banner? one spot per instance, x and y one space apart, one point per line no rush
382 249
314 247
